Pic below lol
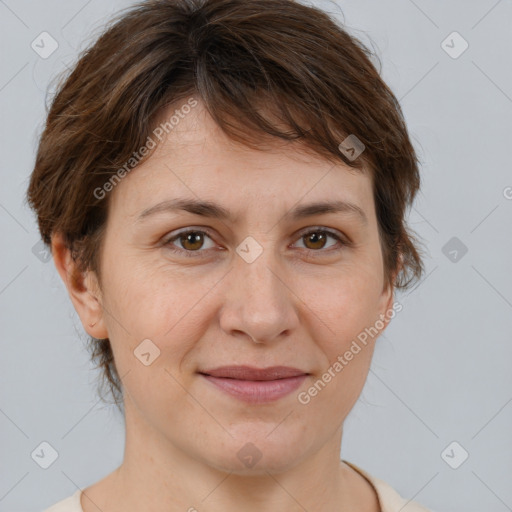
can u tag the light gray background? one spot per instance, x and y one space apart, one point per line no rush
441 372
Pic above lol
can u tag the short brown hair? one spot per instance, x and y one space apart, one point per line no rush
242 59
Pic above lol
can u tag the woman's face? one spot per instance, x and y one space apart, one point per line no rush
249 289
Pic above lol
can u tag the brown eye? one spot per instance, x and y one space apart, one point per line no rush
316 240
192 240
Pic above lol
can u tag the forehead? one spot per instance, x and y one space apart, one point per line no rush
196 159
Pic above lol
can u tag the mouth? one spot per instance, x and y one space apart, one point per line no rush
255 385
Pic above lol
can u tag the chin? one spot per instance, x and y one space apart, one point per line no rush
257 451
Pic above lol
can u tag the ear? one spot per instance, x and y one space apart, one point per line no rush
388 295
83 289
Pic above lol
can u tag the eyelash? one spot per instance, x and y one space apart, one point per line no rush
196 254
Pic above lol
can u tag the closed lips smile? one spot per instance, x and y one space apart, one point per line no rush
255 385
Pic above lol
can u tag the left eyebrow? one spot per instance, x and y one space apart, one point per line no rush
213 210
322 208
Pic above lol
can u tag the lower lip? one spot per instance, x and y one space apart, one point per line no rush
257 392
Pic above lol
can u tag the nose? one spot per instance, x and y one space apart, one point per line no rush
259 304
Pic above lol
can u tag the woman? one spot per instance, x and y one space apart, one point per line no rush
223 186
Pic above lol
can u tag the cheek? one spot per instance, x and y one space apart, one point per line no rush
347 347
344 303
149 299
349 306
171 308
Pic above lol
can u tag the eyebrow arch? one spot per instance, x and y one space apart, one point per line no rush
321 208
213 210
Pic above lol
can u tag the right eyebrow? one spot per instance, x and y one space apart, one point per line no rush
203 208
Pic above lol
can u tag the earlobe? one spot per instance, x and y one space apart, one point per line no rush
388 295
387 305
83 289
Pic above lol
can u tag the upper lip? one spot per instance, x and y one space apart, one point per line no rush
252 373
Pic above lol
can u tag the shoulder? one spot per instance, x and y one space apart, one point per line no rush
69 504
389 499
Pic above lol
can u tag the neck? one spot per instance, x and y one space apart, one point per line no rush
158 476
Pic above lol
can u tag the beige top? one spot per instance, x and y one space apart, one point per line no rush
389 499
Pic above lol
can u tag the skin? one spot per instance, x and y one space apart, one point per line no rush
291 306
